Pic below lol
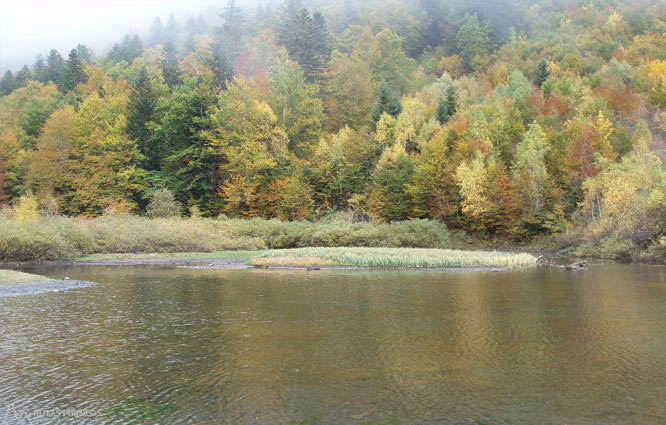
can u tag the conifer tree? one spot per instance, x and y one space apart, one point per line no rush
54 66
72 74
39 69
22 76
141 106
442 112
219 64
169 65
171 31
156 33
85 53
542 73
451 101
231 34
7 83
388 102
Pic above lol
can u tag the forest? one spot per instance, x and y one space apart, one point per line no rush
510 121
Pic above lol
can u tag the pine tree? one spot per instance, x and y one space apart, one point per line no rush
141 106
54 66
134 48
171 31
388 102
72 74
451 101
442 112
7 83
22 76
156 33
231 34
220 66
542 73
306 38
169 65
39 69
85 53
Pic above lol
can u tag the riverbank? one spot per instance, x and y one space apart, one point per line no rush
14 283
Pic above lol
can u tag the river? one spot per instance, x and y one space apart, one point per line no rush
156 344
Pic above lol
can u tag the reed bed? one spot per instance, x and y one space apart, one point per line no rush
401 257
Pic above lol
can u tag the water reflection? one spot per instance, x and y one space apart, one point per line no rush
167 345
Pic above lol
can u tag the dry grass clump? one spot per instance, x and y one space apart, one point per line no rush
406 257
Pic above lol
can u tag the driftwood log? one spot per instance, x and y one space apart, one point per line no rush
582 265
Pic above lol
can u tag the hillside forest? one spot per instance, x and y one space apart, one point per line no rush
511 120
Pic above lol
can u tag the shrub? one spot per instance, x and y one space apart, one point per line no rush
163 205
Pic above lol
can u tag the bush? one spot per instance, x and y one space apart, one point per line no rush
59 238
163 205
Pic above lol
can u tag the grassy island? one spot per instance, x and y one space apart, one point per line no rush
392 257
10 277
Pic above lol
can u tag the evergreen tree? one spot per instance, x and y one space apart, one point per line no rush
7 83
22 76
54 66
85 53
39 69
473 41
388 102
451 101
72 74
169 65
306 38
542 73
156 33
218 63
141 106
192 26
231 34
442 112
134 48
171 31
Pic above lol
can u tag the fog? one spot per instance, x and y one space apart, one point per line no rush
30 27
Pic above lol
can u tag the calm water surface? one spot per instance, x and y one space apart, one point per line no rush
184 346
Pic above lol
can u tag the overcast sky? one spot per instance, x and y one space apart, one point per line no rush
29 27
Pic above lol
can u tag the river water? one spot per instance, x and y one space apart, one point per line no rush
190 346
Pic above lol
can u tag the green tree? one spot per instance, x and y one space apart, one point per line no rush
54 66
169 65
296 104
72 73
186 164
387 102
531 165
306 38
141 106
39 72
473 41
231 34
542 73
156 33
7 83
163 205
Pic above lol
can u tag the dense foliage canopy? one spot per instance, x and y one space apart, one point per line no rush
510 119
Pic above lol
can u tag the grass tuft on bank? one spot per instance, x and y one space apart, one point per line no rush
11 277
394 257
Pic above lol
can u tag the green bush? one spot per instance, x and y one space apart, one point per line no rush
33 242
61 238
